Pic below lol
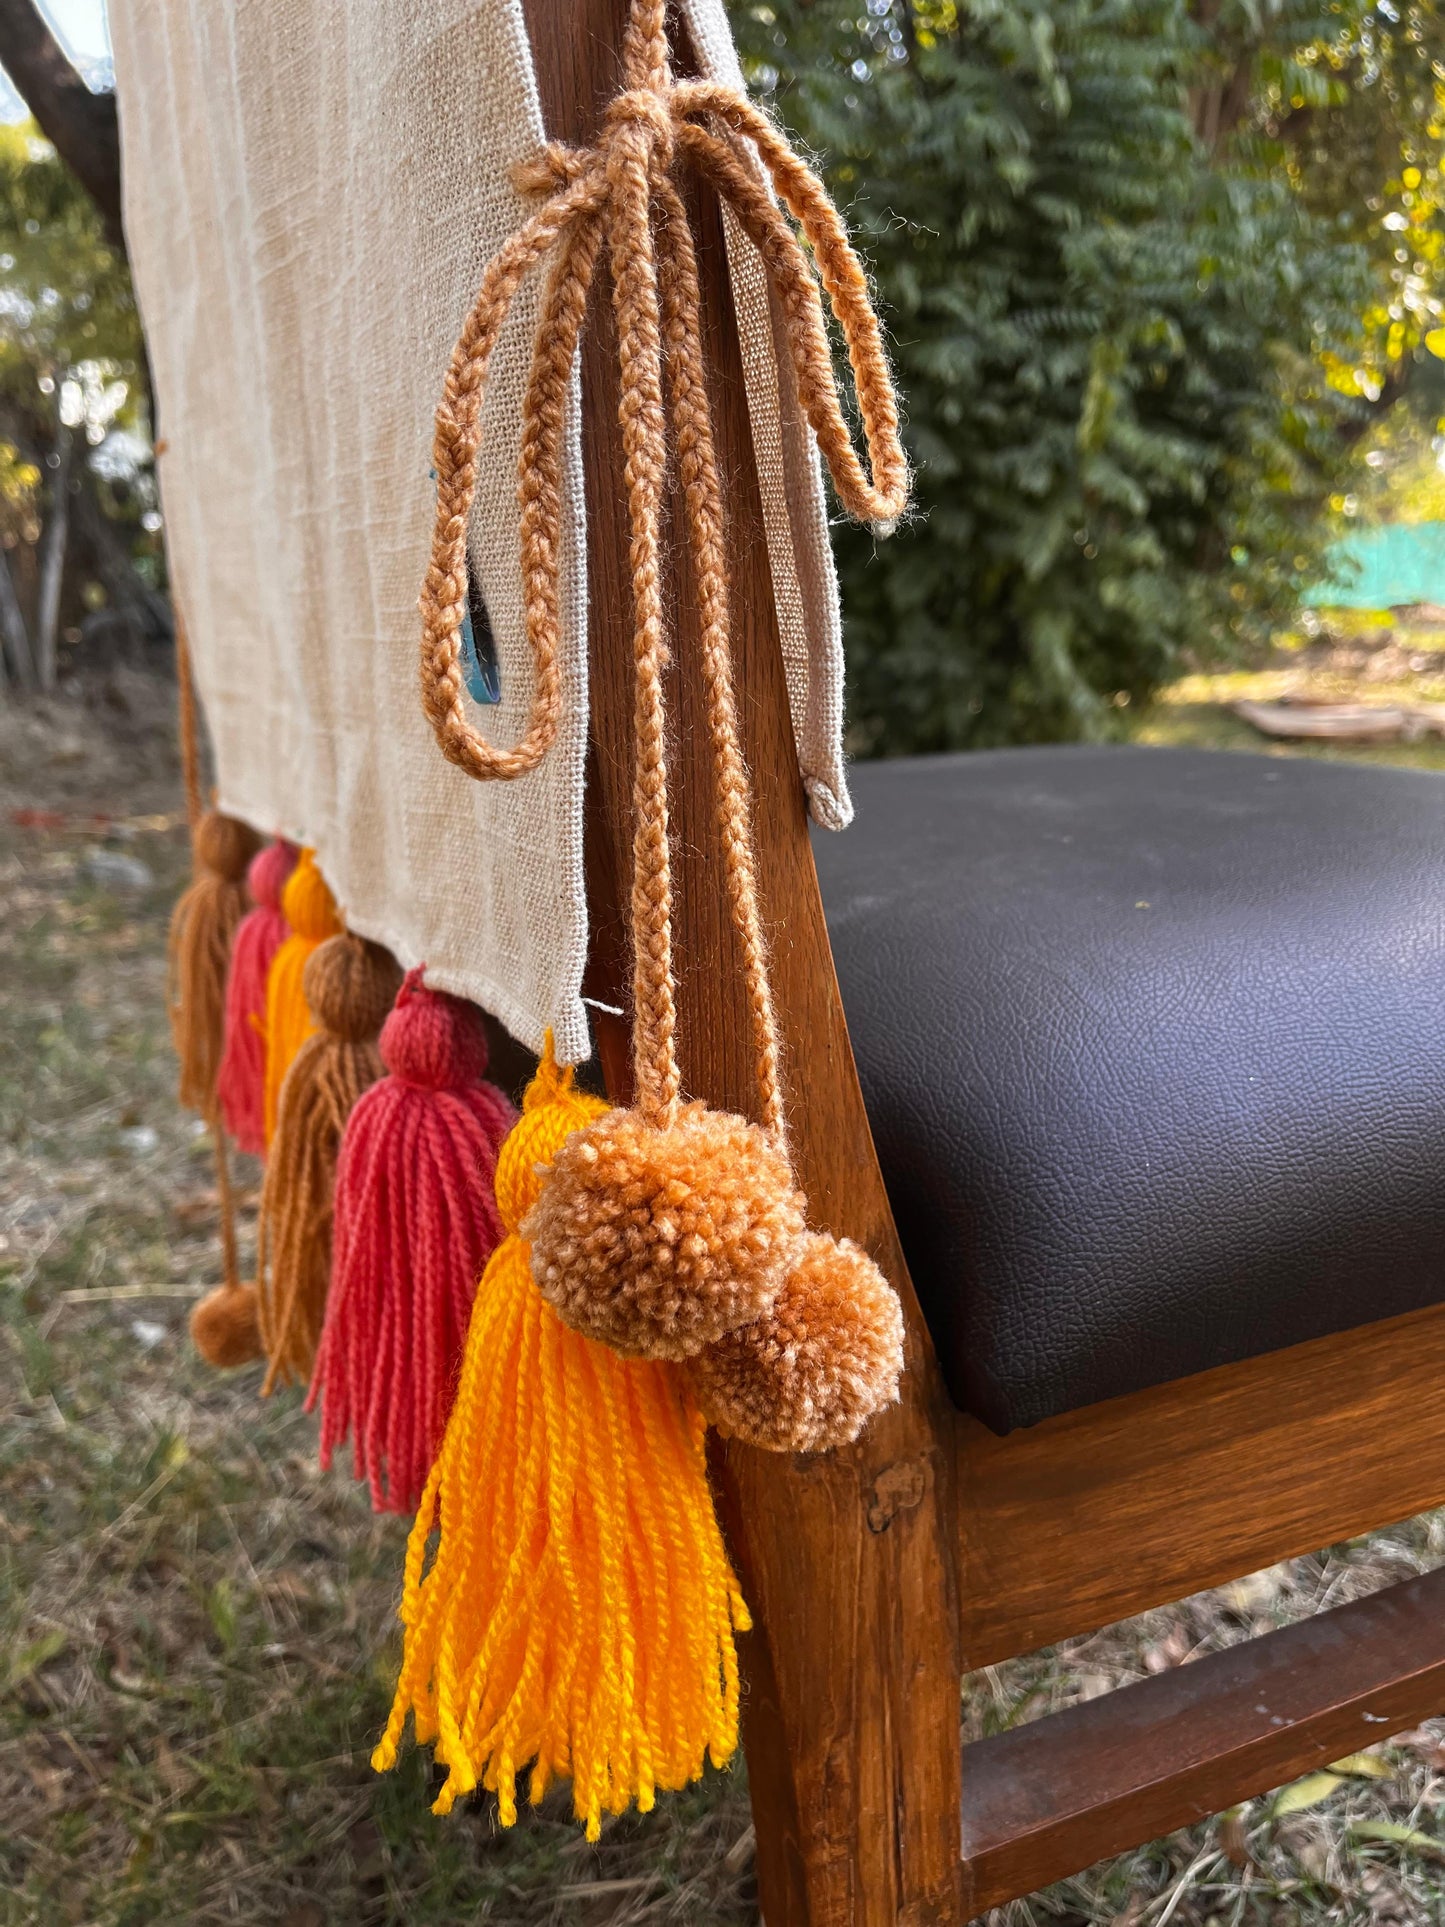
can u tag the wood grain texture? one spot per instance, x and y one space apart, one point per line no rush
851 1712
1122 1506
1047 1799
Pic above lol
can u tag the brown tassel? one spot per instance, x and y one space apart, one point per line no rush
203 924
350 986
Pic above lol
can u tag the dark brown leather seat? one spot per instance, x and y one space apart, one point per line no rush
1153 1046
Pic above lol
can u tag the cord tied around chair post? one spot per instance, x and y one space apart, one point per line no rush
668 1228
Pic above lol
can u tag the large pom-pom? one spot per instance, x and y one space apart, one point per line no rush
812 1371
224 1328
656 1241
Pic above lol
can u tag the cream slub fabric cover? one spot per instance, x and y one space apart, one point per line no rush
312 189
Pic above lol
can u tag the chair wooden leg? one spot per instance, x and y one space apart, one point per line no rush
851 1714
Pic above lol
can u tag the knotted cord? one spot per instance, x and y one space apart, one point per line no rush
618 198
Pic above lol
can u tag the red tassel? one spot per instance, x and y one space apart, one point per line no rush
415 1224
240 1083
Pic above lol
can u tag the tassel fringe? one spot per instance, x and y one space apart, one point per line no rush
579 1611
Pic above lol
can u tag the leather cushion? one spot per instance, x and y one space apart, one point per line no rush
1151 1042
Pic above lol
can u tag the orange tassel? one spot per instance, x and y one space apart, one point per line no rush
203 924
580 1608
349 985
310 912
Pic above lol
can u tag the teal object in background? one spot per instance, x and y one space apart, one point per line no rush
1384 568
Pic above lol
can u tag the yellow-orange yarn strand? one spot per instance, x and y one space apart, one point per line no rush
579 1611
310 909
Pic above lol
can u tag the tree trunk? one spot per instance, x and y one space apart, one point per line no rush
52 559
80 125
13 630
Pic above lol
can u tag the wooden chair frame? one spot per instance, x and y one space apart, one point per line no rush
880 1575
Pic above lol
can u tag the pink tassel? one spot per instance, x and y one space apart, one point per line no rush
415 1224
240 1082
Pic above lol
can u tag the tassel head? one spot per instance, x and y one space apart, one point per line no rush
311 916
267 874
350 985
433 1041
552 1109
307 903
223 845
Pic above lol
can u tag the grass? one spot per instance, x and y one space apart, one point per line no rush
197 1626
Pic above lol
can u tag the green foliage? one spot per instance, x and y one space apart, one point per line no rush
77 498
65 295
1347 100
1112 355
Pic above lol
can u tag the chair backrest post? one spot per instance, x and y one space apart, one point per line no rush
852 1717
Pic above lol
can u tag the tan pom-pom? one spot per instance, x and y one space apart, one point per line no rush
816 1367
658 1242
224 1328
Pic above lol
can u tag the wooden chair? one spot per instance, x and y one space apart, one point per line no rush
881 1575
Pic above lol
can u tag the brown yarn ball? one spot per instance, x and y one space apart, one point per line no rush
811 1372
658 1242
224 1328
350 986
224 845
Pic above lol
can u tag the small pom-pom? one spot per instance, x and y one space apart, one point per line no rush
224 1329
656 1241
811 1372
433 1040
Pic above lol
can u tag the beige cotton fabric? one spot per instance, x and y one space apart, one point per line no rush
311 194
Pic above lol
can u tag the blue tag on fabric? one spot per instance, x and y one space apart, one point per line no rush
481 670
479 650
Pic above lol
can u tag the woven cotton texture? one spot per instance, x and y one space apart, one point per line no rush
311 196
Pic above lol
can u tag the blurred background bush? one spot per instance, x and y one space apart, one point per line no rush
1163 282
1154 274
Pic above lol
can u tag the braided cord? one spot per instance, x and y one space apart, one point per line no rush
618 197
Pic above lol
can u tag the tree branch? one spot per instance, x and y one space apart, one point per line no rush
80 125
